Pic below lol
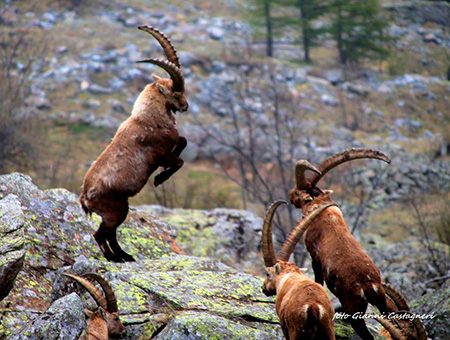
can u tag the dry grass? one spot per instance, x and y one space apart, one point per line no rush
398 221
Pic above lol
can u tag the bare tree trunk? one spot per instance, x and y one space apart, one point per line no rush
305 31
269 38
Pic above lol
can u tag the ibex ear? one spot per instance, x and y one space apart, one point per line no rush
328 192
88 312
102 313
155 77
164 90
277 268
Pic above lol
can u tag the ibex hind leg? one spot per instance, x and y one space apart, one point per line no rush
118 250
358 324
117 213
100 236
376 296
360 327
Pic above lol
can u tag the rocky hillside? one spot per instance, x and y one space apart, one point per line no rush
84 80
198 272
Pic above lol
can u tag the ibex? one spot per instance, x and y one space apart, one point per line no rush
336 255
104 321
396 303
148 139
97 326
303 307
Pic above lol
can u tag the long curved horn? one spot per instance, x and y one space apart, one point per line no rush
175 73
400 301
396 333
111 301
164 41
345 156
300 167
296 234
396 296
91 289
266 240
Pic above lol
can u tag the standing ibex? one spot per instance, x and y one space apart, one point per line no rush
303 307
104 321
412 330
148 139
336 255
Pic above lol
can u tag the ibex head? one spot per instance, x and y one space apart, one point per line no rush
172 89
107 303
414 330
275 265
305 190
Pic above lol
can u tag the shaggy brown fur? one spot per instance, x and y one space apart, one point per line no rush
339 259
148 139
303 307
97 326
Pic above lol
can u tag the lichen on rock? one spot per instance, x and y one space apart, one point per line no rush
12 246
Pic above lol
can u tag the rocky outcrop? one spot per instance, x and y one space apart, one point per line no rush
228 235
158 294
165 294
12 247
64 319
57 232
183 297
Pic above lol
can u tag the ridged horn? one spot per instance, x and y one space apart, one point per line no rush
164 41
345 156
91 289
396 333
420 329
111 301
266 240
300 168
175 73
400 301
296 234
396 296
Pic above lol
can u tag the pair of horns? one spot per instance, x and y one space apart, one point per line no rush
400 301
331 162
172 64
107 301
295 235
396 333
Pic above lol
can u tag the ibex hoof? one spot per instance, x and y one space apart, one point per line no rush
159 179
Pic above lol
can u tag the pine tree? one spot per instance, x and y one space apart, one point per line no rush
358 29
262 21
308 11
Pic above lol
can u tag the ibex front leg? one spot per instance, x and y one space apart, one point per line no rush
171 163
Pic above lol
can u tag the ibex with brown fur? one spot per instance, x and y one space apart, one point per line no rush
303 307
103 322
148 139
97 325
336 255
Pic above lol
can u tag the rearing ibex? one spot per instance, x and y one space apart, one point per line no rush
148 139
336 255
